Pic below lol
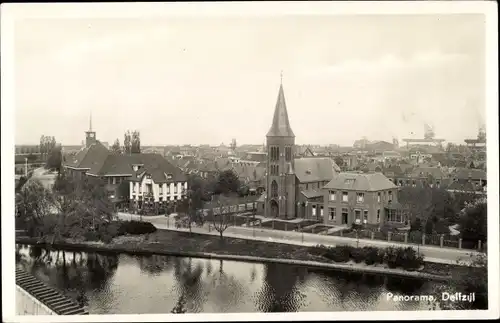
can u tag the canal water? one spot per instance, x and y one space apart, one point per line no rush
124 284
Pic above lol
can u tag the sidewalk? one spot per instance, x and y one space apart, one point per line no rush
430 253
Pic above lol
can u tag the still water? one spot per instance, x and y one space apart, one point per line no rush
124 284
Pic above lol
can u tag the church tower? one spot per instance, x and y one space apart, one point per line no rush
280 179
90 135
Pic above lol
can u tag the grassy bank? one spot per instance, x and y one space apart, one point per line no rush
195 245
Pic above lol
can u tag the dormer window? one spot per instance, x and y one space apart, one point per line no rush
308 172
169 176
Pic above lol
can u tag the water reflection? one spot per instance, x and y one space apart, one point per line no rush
112 284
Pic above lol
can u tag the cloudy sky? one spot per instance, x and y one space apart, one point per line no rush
209 79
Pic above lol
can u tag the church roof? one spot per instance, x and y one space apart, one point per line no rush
314 169
281 125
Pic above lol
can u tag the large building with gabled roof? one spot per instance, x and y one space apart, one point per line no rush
150 178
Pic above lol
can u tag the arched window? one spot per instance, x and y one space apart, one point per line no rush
274 189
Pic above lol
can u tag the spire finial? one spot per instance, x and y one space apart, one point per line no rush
90 123
281 77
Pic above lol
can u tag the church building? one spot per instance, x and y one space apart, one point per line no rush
293 185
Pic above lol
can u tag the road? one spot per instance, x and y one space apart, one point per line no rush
44 176
430 253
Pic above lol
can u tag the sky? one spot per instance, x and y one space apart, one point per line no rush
206 80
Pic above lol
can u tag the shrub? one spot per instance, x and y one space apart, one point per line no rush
338 254
318 250
136 227
358 254
408 259
372 255
391 257
91 236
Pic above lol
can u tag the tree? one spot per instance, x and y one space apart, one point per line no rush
127 143
472 278
221 219
227 183
416 225
47 144
339 161
429 227
81 204
116 148
33 203
473 222
135 143
54 159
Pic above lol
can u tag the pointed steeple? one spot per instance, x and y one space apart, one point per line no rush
281 124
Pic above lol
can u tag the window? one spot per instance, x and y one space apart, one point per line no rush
394 216
378 216
390 195
360 197
160 189
175 198
274 189
288 153
365 216
114 180
321 210
175 188
345 215
345 197
332 195
307 186
378 197
333 214
140 188
314 210
168 188
274 153
438 183
357 214
133 187
275 170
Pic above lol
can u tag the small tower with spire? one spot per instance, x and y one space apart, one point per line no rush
90 137
280 179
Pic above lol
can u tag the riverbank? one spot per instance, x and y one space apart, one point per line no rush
171 243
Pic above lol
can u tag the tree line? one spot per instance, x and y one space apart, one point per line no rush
131 144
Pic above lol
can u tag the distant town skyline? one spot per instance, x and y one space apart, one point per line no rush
202 80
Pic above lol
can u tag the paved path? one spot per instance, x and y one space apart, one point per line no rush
46 178
430 253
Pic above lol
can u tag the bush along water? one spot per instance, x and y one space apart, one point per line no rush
394 257
107 231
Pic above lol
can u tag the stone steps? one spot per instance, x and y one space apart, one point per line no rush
53 299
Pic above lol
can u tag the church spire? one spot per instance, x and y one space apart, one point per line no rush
281 125
90 122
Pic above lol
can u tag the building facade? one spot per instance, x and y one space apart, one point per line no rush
292 185
134 179
352 198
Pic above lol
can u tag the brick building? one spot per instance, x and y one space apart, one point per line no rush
293 185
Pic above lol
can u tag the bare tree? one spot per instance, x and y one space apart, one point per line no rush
221 218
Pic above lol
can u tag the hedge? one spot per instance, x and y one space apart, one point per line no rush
406 258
